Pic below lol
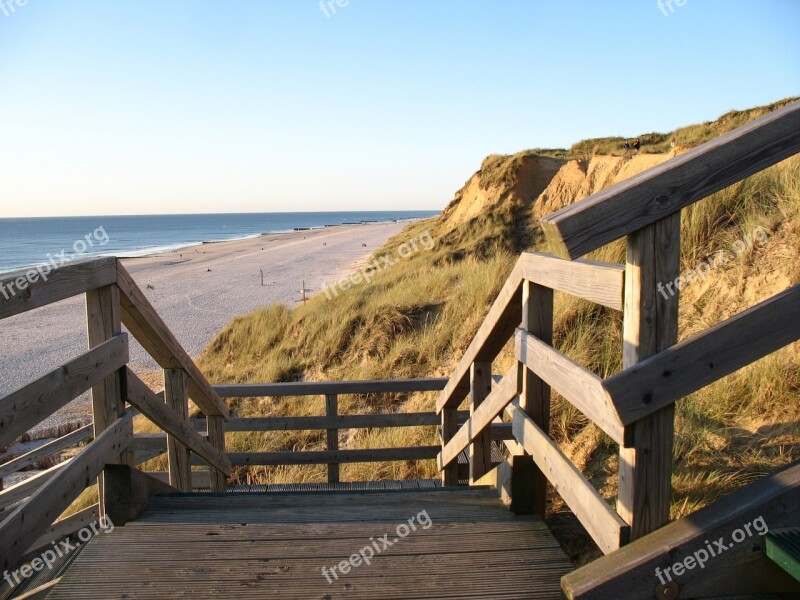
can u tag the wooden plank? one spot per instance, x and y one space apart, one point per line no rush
64 527
128 491
450 427
321 388
20 293
216 437
537 319
27 487
650 325
482 418
694 363
40 592
151 406
48 449
605 526
23 526
599 282
314 457
632 571
22 409
415 419
498 326
176 396
480 449
665 189
149 329
201 480
332 436
582 388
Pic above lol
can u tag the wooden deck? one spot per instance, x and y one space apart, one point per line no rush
265 545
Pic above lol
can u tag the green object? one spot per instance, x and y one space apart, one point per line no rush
782 546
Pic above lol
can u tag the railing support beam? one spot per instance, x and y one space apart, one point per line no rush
332 435
176 395
650 325
480 450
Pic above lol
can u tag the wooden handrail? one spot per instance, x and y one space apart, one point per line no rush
703 359
321 388
602 522
582 388
313 457
644 199
24 408
149 329
504 316
23 526
152 407
595 281
48 449
484 414
22 293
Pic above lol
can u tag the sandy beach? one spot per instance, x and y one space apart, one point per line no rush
197 291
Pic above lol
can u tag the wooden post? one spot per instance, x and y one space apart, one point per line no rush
650 326
480 450
103 322
262 276
215 427
449 429
537 319
176 395
331 410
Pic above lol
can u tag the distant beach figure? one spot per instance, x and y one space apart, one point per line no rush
636 145
672 143
364 245
626 145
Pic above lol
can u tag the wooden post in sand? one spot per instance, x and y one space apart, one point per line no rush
262 276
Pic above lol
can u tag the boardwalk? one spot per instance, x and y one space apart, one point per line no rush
466 545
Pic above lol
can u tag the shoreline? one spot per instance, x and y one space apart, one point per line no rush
197 291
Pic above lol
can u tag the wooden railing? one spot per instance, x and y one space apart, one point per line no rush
636 406
112 300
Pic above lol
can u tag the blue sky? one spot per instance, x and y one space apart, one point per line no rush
153 106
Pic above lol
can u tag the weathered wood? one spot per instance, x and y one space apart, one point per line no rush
40 592
537 320
20 293
27 487
650 325
176 396
607 529
313 457
64 527
149 329
48 449
152 407
480 448
482 417
216 437
332 435
201 480
742 569
127 492
321 388
694 363
325 422
665 189
591 280
22 409
449 429
582 388
23 526
150 442
498 326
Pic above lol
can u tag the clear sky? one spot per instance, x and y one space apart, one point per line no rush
153 106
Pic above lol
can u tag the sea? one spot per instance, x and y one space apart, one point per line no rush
25 242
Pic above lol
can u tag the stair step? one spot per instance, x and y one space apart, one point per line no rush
782 546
